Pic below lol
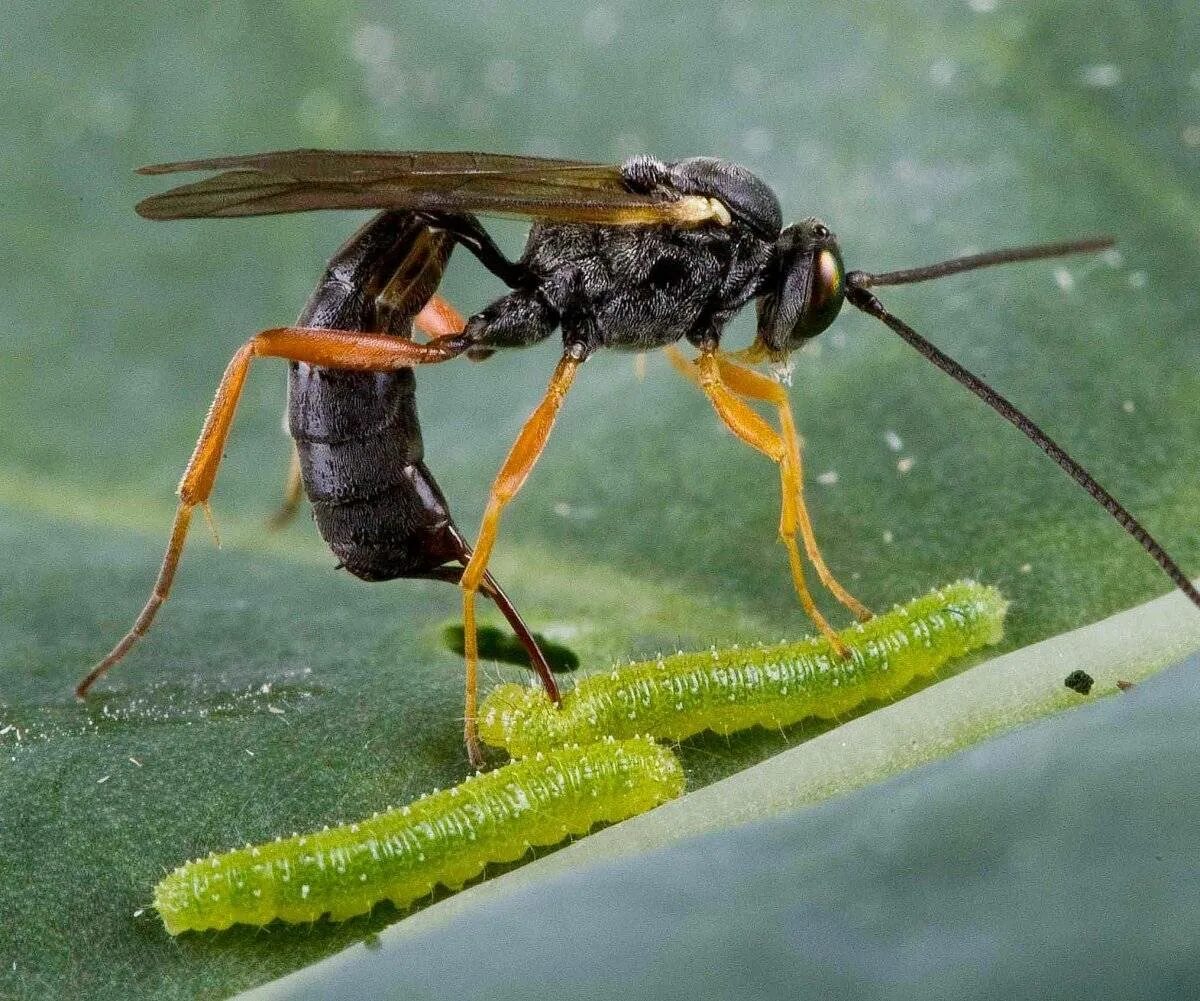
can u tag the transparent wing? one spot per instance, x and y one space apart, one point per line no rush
485 183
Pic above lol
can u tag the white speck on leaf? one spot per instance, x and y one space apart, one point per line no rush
943 72
373 44
1101 75
600 26
758 141
502 76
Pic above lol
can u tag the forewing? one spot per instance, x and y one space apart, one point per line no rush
484 183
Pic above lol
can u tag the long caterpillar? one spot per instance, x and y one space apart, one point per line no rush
726 690
444 838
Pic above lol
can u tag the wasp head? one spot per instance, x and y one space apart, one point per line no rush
804 290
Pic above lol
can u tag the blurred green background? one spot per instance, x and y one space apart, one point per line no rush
916 129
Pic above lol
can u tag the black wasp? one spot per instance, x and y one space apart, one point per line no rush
637 257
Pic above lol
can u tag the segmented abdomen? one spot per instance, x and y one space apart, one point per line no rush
357 433
359 440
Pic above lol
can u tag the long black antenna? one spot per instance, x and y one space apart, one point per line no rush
857 285
970 262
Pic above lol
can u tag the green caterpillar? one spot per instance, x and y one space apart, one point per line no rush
445 838
734 689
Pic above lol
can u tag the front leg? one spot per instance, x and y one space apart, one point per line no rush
751 385
751 429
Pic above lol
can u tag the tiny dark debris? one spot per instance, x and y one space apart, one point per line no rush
1079 681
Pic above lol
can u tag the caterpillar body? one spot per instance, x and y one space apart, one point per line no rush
733 689
444 838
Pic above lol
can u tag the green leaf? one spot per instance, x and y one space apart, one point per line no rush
276 694
1042 858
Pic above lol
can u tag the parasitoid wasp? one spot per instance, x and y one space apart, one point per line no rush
637 256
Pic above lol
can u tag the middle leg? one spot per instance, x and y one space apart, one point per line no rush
516 469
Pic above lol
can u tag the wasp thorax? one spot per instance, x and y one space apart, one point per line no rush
804 291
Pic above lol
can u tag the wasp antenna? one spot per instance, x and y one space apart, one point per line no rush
859 296
971 262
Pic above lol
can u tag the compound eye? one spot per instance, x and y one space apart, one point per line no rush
821 231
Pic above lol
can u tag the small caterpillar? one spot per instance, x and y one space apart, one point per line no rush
446 837
726 690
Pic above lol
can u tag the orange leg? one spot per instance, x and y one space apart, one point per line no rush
749 384
516 469
750 428
330 348
439 319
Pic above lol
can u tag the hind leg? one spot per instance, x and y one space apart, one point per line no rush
331 348
437 319
293 495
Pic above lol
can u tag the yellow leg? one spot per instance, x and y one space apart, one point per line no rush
748 426
752 385
516 469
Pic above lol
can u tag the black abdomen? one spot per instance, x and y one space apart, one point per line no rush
357 433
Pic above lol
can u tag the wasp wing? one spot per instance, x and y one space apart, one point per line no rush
417 274
485 183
